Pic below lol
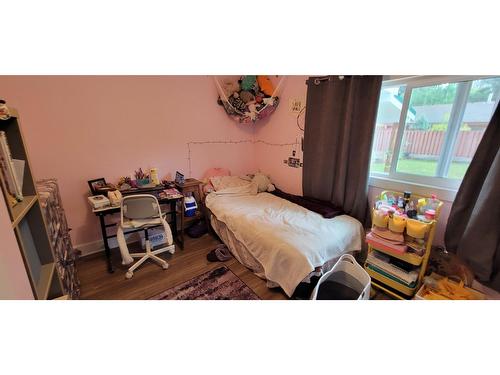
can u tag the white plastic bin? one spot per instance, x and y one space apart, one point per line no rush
348 273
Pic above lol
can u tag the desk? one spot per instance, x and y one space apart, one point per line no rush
101 213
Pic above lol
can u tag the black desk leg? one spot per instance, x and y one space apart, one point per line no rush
173 210
106 246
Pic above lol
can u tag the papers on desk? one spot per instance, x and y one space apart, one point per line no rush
172 193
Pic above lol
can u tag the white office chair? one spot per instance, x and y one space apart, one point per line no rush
142 211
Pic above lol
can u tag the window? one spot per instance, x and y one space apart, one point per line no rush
428 128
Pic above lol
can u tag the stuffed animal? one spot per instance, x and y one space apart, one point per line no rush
263 182
252 110
237 103
248 82
230 87
268 101
246 96
265 84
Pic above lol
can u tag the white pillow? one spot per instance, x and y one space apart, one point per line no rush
224 182
248 189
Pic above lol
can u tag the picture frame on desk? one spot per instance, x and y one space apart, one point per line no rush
98 185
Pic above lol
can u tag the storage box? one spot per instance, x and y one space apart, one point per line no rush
422 291
98 201
157 237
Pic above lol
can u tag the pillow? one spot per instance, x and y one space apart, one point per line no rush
263 182
224 182
212 172
247 189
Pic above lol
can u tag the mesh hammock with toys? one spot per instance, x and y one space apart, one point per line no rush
248 99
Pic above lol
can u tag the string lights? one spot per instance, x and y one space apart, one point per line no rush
231 142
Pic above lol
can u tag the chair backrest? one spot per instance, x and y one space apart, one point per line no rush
140 206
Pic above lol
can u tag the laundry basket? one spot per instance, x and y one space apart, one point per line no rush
346 280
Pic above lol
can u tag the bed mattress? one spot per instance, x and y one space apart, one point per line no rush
279 240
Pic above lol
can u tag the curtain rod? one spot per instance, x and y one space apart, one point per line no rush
318 80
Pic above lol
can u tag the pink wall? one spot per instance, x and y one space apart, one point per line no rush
82 127
14 283
281 127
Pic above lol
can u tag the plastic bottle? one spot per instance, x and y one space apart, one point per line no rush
433 203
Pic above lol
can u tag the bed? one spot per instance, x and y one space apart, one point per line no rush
278 240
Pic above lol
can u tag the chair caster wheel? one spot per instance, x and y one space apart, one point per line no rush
164 266
129 274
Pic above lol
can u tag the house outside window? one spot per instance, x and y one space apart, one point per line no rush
428 128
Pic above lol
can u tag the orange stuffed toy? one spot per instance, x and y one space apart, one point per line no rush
265 84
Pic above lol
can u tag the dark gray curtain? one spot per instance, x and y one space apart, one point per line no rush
339 127
473 228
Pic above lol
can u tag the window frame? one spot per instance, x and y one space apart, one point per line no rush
441 181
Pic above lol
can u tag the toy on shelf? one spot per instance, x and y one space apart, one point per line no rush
400 241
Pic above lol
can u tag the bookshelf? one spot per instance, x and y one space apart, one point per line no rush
27 221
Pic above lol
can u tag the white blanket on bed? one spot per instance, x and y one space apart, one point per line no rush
288 240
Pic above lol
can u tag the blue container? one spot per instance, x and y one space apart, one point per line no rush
190 206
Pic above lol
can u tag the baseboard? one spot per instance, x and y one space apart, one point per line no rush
90 247
98 246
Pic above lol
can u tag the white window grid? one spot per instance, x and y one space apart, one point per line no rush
457 113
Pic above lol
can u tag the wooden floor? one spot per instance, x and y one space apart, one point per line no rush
150 279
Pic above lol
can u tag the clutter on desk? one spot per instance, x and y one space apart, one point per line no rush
99 186
168 184
98 201
124 183
171 193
